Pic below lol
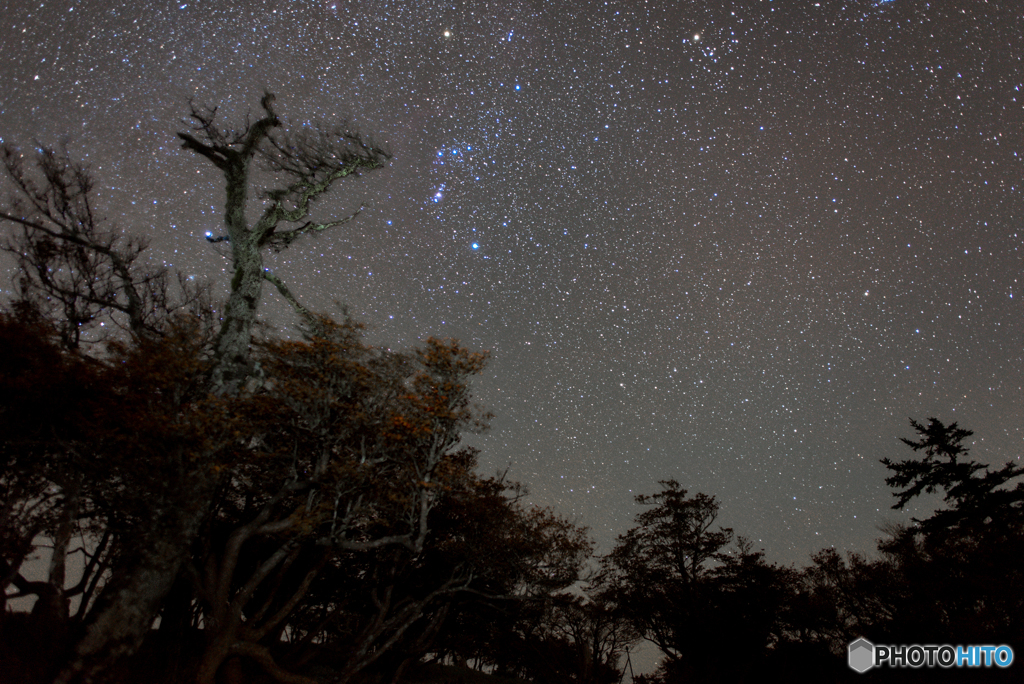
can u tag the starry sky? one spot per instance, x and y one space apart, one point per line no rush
736 244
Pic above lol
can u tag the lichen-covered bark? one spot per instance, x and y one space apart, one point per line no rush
234 159
310 163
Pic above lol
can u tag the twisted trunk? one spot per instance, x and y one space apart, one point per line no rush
131 600
235 336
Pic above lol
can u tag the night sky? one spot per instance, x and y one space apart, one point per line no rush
736 244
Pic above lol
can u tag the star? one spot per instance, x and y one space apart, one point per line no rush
694 247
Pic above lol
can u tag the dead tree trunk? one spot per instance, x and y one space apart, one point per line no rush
309 163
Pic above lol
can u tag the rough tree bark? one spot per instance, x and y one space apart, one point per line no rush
130 601
310 162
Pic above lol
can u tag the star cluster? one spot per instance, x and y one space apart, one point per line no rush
732 243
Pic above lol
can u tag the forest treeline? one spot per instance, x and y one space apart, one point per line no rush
212 502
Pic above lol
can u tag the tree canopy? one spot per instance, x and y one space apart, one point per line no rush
281 500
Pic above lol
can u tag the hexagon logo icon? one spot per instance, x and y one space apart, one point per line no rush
862 655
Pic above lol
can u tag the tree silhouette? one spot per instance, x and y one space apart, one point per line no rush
953 577
977 495
308 162
77 273
73 270
660 568
700 602
352 450
281 504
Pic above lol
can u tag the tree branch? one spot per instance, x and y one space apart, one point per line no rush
262 656
289 297
280 240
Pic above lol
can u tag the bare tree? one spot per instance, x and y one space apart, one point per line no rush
309 161
74 270
80 273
